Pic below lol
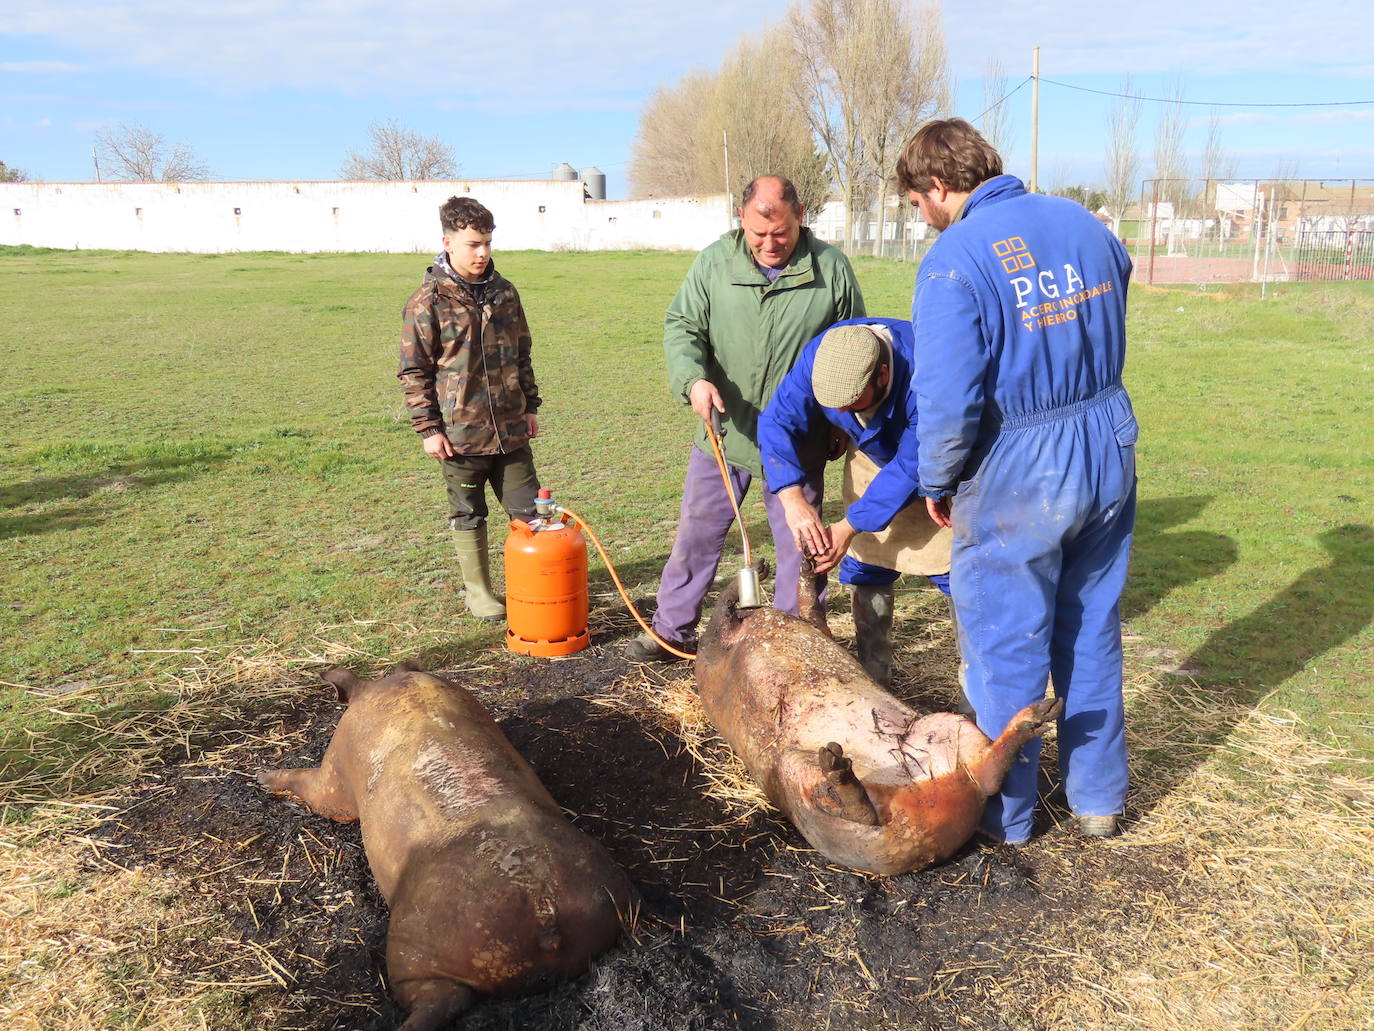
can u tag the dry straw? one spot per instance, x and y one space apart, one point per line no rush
1264 917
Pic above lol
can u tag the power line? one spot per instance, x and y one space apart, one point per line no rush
1008 96
1197 103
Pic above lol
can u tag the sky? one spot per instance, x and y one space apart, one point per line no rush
283 89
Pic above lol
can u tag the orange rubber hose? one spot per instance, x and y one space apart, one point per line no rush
624 594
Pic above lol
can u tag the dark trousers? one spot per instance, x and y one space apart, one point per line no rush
512 479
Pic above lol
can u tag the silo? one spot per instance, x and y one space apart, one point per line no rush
596 182
565 172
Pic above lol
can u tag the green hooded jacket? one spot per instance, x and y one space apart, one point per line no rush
730 326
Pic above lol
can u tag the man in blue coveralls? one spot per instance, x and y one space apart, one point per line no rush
857 374
1028 450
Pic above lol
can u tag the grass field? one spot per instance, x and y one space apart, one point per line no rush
204 459
202 452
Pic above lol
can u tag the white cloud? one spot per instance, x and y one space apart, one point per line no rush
1339 116
1248 118
502 52
31 67
1081 37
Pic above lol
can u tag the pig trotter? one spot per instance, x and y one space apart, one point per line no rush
842 795
432 1004
990 768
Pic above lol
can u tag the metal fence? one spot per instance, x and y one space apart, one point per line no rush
1195 231
1251 230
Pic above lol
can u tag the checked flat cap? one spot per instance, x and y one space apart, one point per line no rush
845 362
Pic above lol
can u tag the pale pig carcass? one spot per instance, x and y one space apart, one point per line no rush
866 781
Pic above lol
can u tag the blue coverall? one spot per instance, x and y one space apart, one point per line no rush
1020 323
889 438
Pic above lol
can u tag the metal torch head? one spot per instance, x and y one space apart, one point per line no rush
750 596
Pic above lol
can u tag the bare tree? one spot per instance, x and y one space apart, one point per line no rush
1123 160
833 67
1170 162
909 84
868 76
996 127
12 175
397 154
1216 162
686 130
1215 165
763 139
666 161
137 154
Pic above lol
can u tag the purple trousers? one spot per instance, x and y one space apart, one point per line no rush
702 525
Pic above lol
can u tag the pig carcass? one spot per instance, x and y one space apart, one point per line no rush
866 781
491 889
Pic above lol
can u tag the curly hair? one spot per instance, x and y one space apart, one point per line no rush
465 213
951 150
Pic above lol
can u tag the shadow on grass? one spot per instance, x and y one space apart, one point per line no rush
119 477
1241 663
1162 561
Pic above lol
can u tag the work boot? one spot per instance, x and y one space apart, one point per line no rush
475 564
645 649
871 605
1103 826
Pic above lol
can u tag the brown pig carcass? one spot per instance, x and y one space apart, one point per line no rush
864 779
491 889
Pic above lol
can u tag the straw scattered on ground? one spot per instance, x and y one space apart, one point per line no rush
1240 896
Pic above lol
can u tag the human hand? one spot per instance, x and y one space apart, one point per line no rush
808 532
532 424
939 511
841 534
703 397
437 446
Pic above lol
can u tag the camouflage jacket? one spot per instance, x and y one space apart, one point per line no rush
465 362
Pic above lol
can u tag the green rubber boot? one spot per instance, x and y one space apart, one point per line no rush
475 564
871 606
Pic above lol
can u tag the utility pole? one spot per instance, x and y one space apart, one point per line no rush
1035 118
95 160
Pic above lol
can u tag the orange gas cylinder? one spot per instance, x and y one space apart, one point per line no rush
546 586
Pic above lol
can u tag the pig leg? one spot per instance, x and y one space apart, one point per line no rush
842 795
432 1003
809 605
989 770
318 787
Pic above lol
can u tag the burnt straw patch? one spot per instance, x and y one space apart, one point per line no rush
742 926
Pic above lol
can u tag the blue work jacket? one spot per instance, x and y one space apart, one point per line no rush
889 438
1019 309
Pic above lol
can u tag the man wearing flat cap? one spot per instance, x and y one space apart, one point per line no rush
857 375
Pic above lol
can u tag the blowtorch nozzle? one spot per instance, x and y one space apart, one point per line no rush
748 581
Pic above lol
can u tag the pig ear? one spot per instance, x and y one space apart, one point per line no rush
343 680
408 666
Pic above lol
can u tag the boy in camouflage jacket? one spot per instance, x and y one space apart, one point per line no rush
470 390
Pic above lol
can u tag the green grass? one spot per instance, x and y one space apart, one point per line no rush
200 452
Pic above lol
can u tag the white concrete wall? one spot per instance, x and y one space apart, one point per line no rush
548 215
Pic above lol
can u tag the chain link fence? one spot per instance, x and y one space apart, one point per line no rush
1201 231
1193 231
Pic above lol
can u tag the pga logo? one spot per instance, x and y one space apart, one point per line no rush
1015 257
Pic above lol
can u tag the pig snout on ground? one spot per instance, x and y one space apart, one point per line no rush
491 890
866 781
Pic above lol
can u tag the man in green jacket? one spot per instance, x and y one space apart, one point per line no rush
748 306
